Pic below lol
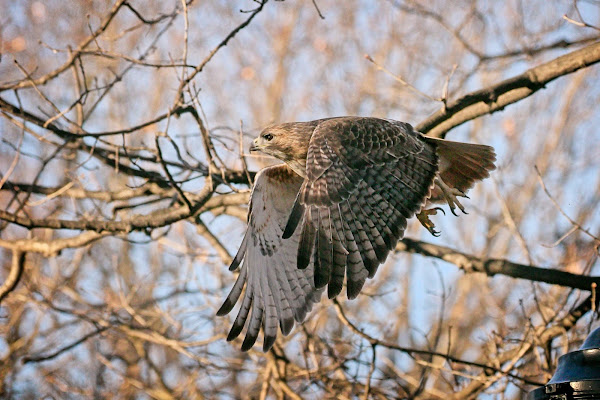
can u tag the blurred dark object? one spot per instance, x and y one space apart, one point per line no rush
577 375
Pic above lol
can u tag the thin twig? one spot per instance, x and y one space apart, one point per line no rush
371 370
559 208
412 351
317 8
400 79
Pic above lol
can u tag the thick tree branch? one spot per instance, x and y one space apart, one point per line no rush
153 220
494 266
496 97
50 248
163 217
78 193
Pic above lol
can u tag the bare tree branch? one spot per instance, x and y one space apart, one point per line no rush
497 97
493 266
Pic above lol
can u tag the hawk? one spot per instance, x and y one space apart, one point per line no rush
335 210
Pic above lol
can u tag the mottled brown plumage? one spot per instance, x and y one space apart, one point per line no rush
357 181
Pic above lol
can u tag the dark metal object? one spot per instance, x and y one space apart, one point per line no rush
577 375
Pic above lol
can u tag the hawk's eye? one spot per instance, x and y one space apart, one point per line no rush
268 136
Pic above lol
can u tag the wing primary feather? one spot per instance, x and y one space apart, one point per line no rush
364 242
382 219
281 290
235 292
270 310
257 315
307 239
295 216
286 314
340 257
297 292
268 342
242 316
288 290
239 256
355 270
323 249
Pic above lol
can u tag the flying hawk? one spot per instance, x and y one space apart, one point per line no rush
335 210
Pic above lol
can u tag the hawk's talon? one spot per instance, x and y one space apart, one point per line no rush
450 194
423 218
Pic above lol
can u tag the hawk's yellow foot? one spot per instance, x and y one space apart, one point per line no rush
423 218
450 194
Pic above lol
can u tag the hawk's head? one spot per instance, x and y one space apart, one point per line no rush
287 142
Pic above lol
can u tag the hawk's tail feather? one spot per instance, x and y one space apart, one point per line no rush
463 164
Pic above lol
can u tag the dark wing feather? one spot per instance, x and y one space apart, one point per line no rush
294 219
340 255
364 178
276 292
307 239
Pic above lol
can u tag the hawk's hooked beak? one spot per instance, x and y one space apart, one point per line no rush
253 146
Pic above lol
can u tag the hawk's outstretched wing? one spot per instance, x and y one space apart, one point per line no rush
277 292
364 178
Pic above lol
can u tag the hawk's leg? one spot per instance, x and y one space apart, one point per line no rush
423 218
450 194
